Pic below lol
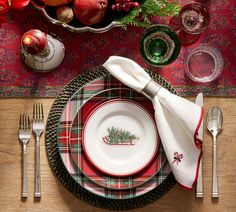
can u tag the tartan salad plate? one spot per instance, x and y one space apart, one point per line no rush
120 137
78 153
63 139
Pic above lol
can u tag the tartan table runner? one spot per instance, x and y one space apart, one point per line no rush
87 50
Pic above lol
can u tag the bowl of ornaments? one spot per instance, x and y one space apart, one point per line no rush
101 15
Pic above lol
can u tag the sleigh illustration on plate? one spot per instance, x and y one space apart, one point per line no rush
117 136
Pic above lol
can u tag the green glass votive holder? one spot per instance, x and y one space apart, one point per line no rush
159 45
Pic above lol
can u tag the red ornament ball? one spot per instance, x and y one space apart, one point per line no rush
34 41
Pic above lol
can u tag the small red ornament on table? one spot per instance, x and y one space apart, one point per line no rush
34 41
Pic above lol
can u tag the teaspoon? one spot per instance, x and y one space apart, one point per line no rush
214 125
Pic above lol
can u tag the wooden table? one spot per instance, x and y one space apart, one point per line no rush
56 198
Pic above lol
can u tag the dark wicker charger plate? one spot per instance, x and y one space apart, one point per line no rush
57 165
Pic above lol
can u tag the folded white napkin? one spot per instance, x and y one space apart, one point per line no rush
178 120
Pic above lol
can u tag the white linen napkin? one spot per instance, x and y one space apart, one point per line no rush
178 120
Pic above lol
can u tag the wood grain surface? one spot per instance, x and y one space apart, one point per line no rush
56 198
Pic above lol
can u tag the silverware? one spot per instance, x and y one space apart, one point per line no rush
199 188
38 128
214 125
24 136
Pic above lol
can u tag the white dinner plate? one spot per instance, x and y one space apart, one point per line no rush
120 137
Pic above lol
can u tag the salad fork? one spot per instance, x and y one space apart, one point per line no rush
24 136
38 128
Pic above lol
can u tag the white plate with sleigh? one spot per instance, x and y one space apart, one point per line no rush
120 137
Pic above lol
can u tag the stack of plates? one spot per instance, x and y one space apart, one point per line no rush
109 143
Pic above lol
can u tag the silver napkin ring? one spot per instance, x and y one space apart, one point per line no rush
151 89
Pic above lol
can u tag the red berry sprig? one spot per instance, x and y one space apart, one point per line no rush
124 5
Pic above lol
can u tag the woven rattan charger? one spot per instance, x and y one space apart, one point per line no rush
58 167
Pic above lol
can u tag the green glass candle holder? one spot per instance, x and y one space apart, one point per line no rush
159 45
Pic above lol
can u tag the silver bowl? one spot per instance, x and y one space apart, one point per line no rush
43 9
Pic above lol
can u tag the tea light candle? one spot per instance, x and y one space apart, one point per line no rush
40 51
34 42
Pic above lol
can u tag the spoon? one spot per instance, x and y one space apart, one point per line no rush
214 125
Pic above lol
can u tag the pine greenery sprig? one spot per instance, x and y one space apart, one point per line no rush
140 16
118 136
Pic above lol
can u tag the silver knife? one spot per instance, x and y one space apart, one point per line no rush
199 188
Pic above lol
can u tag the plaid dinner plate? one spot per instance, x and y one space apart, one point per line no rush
80 158
71 152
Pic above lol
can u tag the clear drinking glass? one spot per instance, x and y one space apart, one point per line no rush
204 64
192 20
159 45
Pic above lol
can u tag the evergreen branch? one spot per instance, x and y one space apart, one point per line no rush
140 16
132 19
118 136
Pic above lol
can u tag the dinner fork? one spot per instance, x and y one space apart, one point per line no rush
24 136
38 128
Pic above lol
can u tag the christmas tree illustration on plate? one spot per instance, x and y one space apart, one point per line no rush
117 136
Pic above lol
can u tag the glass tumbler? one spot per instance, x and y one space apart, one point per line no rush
204 64
192 20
